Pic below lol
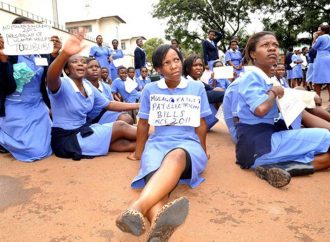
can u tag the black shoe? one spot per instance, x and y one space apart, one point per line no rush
296 168
276 177
3 150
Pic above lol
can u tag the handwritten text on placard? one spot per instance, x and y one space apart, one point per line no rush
178 110
27 39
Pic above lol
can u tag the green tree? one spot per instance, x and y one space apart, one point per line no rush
291 17
188 21
150 45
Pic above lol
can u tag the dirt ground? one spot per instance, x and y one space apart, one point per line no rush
63 200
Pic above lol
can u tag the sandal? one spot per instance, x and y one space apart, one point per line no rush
131 221
171 216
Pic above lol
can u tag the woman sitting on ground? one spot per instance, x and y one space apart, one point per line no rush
174 153
259 144
72 98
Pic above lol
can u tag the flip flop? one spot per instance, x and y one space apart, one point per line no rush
276 177
131 221
171 216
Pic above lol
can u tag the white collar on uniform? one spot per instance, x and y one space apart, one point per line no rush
183 83
88 89
101 86
262 74
190 78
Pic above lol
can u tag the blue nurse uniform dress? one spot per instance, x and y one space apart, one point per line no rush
235 57
103 116
26 128
101 54
70 109
297 69
166 138
118 86
321 73
257 142
116 54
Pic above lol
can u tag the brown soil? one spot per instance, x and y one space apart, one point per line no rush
63 200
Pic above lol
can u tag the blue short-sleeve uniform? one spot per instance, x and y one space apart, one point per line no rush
297 69
116 54
235 57
321 73
107 116
70 109
118 86
299 145
229 107
142 82
25 131
101 54
168 137
222 83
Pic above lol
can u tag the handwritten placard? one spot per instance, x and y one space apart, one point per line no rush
27 39
290 105
176 110
223 72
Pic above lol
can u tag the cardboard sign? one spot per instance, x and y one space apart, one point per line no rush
223 72
176 110
27 39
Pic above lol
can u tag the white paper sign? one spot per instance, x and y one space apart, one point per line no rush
223 72
27 39
118 62
290 105
176 110
130 85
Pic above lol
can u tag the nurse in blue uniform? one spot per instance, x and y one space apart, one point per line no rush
25 125
193 68
172 154
72 98
143 79
258 143
102 116
321 72
119 87
115 55
297 73
101 53
233 57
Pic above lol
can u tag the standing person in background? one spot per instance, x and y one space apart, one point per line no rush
297 73
139 57
25 129
101 53
115 55
234 57
288 61
321 43
304 64
310 70
210 49
176 45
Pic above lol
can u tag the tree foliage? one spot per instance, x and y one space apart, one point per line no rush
150 46
188 21
289 18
